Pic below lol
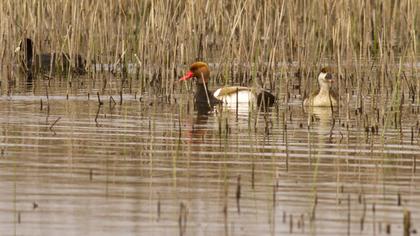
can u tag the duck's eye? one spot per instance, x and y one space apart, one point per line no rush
328 76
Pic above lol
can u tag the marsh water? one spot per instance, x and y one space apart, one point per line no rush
153 166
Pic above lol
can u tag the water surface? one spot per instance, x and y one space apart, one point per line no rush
153 166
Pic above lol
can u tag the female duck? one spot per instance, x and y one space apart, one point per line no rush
325 96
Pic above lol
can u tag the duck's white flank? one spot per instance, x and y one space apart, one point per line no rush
233 95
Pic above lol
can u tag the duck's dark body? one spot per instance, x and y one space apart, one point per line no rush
49 62
204 103
59 62
265 99
201 97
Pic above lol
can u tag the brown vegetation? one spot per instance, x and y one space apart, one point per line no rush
363 39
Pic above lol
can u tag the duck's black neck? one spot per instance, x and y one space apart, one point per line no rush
203 96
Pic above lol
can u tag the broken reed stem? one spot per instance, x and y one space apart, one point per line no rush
238 194
52 125
253 175
100 103
182 219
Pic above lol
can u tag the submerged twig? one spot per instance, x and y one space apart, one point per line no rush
52 125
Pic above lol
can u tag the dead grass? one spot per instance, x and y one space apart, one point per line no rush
268 40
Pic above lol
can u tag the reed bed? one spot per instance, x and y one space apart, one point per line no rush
270 44
238 35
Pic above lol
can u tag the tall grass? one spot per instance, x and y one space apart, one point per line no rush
241 36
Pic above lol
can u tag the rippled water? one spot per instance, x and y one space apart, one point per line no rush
150 167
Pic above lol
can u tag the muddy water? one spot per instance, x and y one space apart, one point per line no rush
149 167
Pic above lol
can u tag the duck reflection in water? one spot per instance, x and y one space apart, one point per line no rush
197 132
323 121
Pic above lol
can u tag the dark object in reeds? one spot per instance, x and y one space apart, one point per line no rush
30 62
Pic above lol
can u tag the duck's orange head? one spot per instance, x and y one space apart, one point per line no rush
199 70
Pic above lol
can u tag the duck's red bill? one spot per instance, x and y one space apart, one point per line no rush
187 76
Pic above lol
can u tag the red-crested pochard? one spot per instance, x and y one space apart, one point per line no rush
230 96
